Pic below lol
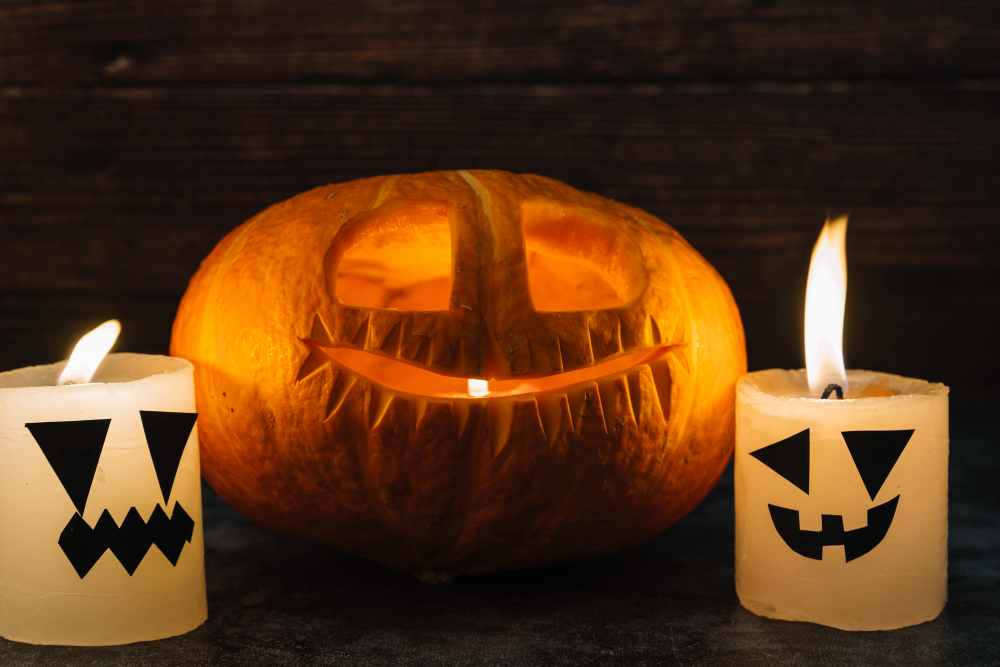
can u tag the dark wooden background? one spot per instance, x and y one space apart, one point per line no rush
135 134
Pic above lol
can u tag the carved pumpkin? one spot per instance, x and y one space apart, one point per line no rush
341 338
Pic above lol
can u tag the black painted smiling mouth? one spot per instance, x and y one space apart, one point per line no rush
856 543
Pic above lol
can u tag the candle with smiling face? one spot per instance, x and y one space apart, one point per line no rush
100 500
841 503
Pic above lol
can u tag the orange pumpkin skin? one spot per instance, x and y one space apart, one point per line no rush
300 441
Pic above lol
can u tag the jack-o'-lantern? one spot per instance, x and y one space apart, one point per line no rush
461 372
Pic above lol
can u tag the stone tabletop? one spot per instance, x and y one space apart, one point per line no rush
670 601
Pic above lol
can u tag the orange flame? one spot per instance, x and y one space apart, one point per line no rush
89 353
826 294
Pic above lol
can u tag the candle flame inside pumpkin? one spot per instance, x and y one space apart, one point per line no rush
826 294
89 353
478 388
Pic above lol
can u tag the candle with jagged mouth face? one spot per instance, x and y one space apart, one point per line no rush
841 480
100 499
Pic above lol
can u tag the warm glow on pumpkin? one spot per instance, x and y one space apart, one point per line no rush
576 261
826 294
399 258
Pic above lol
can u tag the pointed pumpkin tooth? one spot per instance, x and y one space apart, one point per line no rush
660 370
528 413
501 415
384 330
319 333
360 338
681 333
391 343
514 422
615 402
575 348
680 354
555 415
605 336
419 409
460 414
645 399
416 348
545 353
654 332
447 351
377 400
425 354
433 415
516 348
585 407
598 347
558 362
457 362
393 413
316 360
341 386
633 331
536 416
634 378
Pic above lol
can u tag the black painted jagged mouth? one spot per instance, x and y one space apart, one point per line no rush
129 542
856 543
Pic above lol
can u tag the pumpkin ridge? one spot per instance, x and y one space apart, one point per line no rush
484 203
383 191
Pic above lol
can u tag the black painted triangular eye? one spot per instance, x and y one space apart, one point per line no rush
167 434
73 449
789 458
875 453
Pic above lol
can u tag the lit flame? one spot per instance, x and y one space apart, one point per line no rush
826 293
479 388
89 353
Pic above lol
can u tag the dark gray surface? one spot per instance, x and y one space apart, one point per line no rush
670 601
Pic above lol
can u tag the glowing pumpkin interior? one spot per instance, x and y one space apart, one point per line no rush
403 259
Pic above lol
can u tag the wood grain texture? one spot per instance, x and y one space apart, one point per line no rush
91 41
110 197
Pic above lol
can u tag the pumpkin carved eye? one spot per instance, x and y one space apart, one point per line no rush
578 261
397 256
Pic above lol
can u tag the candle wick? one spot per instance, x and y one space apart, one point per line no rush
833 388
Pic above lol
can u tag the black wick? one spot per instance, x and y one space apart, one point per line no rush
832 388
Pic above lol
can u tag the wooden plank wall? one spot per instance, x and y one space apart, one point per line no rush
134 135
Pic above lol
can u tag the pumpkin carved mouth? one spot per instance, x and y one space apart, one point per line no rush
406 378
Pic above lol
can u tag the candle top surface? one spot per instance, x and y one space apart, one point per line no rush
118 368
864 386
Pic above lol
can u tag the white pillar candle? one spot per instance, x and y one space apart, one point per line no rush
100 504
842 505
841 479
